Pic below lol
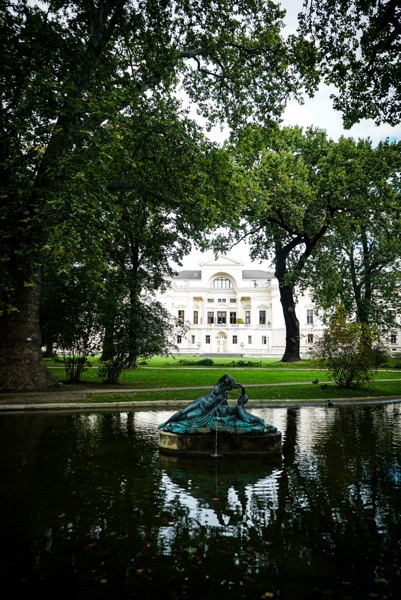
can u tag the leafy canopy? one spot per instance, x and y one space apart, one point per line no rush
68 68
357 45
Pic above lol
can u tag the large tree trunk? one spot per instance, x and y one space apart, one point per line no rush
292 336
21 366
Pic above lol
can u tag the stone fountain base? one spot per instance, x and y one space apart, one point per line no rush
203 443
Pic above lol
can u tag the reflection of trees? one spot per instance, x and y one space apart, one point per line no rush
337 518
365 512
98 503
19 437
87 497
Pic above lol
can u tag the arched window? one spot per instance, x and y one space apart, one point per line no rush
222 283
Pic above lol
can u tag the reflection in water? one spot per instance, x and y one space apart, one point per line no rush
90 509
220 493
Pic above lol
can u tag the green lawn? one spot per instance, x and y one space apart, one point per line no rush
270 379
274 393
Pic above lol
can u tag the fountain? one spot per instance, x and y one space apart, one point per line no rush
209 426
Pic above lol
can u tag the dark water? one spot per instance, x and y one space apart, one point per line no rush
90 510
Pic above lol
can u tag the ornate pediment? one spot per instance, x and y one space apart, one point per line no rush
222 261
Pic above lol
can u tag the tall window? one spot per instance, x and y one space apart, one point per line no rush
179 339
207 339
249 339
248 317
310 338
235 339
221 317
233 318
393 338
264 340
222 283
196 317
262 317
309 316
210 317
192 339
181 315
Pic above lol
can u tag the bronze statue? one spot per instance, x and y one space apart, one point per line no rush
202 410
213 411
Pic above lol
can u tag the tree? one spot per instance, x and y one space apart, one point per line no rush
359 260
357 46
346 350
289 205
74 325
155 332
70 67
164 168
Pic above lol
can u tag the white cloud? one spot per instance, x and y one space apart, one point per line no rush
318 112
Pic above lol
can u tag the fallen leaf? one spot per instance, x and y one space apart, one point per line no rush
89 546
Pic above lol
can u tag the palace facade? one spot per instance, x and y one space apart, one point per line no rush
233 310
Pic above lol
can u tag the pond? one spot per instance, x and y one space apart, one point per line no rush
89 509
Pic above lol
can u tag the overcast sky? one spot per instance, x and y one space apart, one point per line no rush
317 112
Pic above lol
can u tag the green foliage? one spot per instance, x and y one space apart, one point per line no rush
68 68
356 47
70 308
246 363
380 355
358 262
203 362
209 362
110 371
75 365
345 349
154 329
287 205
74 77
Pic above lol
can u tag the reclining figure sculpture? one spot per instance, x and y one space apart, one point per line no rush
213 411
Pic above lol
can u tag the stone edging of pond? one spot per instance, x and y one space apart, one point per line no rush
172 404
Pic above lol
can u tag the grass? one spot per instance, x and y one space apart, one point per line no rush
269 380
273 393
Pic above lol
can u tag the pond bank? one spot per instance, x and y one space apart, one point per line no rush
62 399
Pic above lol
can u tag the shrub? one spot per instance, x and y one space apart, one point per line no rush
74 366
346 350
205 362
380 355
245 363
110 371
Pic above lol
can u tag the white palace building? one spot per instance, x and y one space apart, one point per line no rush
232 310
